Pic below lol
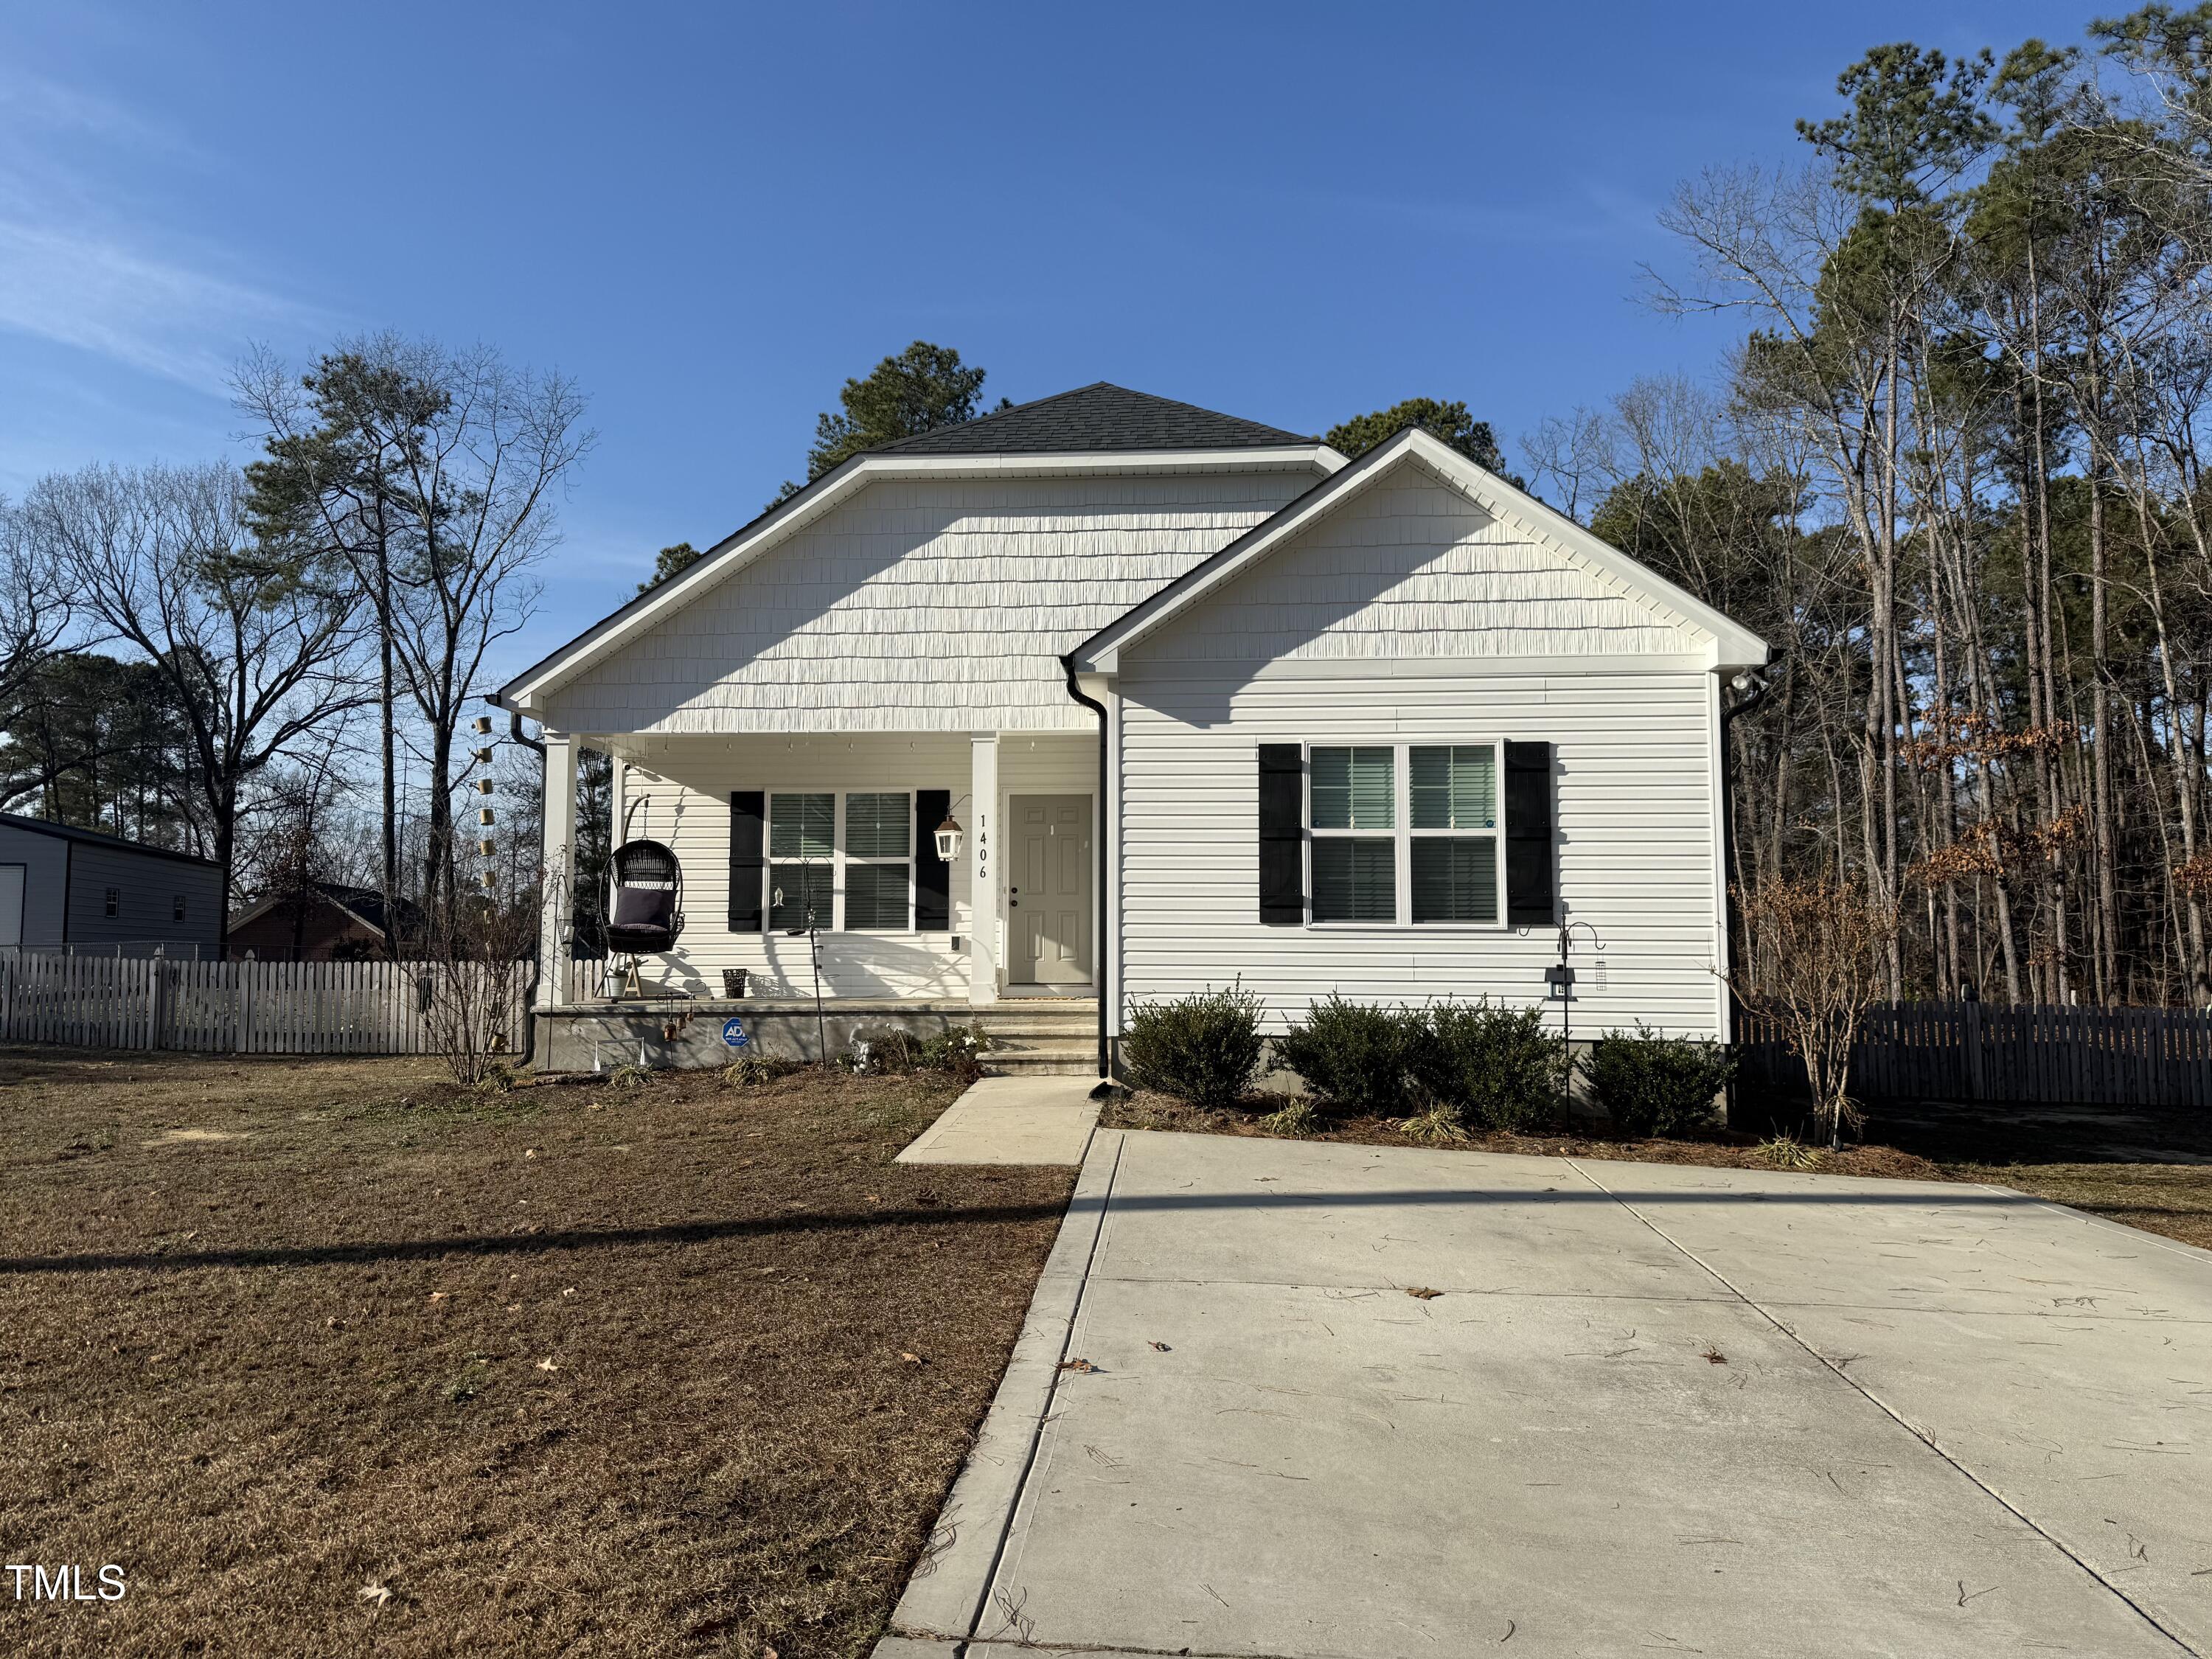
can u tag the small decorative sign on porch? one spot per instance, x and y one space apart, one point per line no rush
734 1033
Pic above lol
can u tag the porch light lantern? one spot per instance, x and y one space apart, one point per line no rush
948 839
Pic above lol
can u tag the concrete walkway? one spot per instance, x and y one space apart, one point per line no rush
1649 1409
1012 1120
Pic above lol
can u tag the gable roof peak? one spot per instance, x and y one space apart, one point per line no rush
1732 644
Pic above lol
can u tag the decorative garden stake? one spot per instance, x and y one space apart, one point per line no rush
1561 982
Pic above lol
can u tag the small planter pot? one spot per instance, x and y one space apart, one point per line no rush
734 982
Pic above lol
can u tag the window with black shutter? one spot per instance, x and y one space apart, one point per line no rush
1282 835
1413 834
932 876
747 865
1532 897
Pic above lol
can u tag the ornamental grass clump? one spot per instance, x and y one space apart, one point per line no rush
1651 1085
1488 1064
1201 1049
1355 1056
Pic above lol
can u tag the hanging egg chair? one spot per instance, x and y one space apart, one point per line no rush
647 916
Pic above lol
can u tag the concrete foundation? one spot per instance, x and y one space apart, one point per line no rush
688 1032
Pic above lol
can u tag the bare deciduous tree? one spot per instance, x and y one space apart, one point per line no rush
255 646
35 607
1816 968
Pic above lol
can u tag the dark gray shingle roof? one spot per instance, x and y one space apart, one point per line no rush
98 838
1100 418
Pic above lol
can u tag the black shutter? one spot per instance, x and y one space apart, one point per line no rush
1282 836
932 876
747 808
1531 885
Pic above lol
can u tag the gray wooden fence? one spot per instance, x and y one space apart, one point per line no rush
224 1007
1975 1051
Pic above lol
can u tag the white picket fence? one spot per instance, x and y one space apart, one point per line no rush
225 1007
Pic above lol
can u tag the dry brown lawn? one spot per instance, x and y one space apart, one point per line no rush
331 1357
2067 1159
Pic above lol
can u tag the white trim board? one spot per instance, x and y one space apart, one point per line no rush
1733 646
1213 670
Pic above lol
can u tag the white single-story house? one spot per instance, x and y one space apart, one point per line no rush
1207 702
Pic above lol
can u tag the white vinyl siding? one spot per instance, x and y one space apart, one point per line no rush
922 605
1636 838
689 779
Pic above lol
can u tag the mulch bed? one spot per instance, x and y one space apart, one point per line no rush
2172 1199
1144 1111
332 1357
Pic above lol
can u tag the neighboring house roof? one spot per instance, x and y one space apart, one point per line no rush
1153 434
364 904
1733 644
1101 416
98 838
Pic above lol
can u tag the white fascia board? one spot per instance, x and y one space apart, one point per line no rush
1733 646
525 693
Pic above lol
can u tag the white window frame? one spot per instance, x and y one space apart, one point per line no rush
1402 833
839 859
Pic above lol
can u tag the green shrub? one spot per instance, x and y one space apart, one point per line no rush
1354 1056
1488 1065
958 1051
895 1053
1201 1049
1656 1086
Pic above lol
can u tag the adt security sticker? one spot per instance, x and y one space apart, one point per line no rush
734 1033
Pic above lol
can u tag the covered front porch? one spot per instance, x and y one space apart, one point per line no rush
811 867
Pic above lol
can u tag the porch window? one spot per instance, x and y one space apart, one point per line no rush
878 875
802 849
1404 830
848 858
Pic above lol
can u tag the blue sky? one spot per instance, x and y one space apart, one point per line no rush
711 215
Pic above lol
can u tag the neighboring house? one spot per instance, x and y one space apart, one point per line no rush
1209 704
63 886
328 921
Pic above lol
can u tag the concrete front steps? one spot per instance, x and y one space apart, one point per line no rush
1042 1036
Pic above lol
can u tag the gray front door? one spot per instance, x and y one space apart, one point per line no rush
11 904
1049 898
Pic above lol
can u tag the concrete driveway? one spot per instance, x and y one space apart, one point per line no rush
1651 1410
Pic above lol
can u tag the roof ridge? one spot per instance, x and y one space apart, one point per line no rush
1174 424
995 414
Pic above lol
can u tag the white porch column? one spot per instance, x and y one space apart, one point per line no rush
983 869
557 911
